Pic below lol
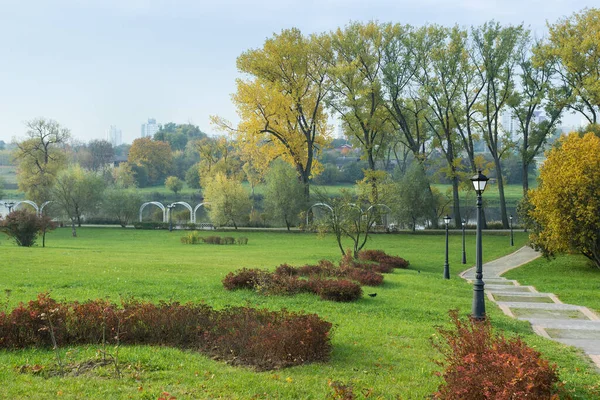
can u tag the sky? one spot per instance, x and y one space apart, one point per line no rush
89 64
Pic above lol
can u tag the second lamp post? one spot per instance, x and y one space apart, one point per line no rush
446 265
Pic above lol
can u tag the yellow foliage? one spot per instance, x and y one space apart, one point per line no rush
281 104
566 204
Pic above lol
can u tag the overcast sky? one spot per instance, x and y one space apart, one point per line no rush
93 63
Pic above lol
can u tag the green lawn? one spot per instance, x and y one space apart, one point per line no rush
379 344
572 278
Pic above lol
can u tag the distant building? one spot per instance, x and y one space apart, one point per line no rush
510 124
149 128
114 136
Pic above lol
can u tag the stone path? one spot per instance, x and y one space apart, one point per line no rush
565 323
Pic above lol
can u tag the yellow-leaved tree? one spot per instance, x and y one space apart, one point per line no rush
565 208
574 43
280 103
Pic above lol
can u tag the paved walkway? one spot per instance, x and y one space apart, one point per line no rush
565 323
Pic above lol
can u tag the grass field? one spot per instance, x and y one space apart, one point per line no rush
573 279
380 345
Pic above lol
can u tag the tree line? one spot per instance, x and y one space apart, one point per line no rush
402 90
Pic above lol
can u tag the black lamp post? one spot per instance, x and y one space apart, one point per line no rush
464 258
170 207
9 205
478 312
512 241
446 265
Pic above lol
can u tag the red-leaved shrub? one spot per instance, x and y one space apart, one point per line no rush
480 365
381 257
240 335
364 277
341 290
243 279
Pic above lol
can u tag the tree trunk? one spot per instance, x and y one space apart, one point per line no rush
500 181
73 229
456 201
525 174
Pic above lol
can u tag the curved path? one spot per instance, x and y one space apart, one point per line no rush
549 317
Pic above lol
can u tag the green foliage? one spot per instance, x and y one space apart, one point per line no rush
174 184
122 204
479 364
155 155
411 198
229 201
284 194
192 176
77 192
126 175
178 135
24 226
2 182
40 157
101 155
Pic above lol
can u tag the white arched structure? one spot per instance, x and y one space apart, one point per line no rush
389 211
324 205
31 203
186 205
157 204
44 204
196 209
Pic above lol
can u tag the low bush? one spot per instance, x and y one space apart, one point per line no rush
227 240
212 240
481 365
341 290
243 279
151 225
382 258
242 240
191 238
24 226
364 277
239 335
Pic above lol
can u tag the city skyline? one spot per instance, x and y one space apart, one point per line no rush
99 63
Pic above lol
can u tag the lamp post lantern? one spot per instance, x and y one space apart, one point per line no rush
446 265
512 241
170 207
478 311
464 254
9 205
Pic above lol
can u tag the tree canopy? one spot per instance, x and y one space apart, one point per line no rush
566 204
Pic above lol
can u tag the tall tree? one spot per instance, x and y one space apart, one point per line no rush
574 42
281 103
178 135
123 205
440 80
154 155
498 49
76 192
102 154
566 205
229 202
283 194
40 157
527 104
356 94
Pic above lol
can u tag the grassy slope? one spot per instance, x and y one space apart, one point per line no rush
380 343
571 278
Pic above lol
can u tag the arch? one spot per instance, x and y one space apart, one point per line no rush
385 216
44 204
157 204
186 205
197 207
31 203
324 205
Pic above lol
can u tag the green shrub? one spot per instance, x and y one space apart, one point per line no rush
242 240
151 225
